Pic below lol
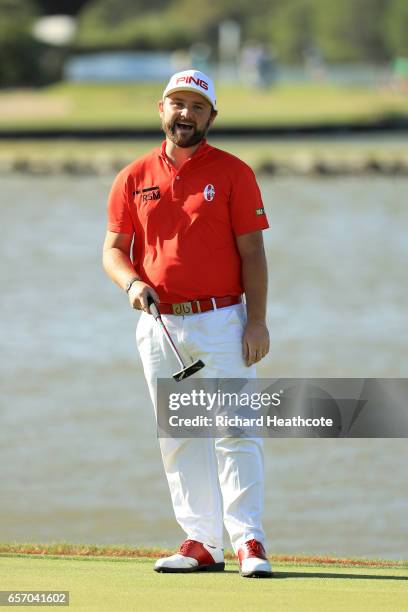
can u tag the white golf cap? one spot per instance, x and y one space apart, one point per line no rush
192 80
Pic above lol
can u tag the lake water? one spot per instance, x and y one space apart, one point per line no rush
79 458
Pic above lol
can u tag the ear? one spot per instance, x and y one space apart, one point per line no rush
213 115
160 107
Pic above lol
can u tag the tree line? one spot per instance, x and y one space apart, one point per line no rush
373 31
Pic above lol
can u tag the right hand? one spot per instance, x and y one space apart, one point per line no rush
138 294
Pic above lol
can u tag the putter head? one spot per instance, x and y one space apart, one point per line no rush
189 370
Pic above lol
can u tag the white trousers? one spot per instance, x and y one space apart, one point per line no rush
213 482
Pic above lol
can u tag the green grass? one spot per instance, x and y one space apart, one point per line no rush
133 105
120 584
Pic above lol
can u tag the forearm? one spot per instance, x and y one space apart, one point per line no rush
118 266
255 282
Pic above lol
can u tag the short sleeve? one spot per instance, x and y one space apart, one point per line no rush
247 209
119 218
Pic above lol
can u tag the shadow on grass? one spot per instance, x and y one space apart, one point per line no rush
284 575
278 575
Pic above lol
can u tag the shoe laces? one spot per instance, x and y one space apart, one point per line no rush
256 547
185 547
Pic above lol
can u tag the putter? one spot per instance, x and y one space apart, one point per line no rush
187 370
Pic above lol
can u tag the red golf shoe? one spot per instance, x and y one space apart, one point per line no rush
193 556
252 560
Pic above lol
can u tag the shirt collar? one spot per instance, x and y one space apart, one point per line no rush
201 149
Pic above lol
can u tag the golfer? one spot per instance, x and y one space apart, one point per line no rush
185 229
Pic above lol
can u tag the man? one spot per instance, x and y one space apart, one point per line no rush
185 228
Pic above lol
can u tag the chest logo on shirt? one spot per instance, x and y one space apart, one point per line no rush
209 192
148 193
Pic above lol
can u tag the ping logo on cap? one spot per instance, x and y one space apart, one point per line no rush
190 79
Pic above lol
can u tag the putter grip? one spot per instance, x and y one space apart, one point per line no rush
152 307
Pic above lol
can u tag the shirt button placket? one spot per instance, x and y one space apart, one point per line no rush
177 188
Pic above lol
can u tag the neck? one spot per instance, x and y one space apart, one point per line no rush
178 155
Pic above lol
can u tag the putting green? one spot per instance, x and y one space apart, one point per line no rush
130 584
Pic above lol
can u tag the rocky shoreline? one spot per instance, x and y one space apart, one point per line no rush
298 166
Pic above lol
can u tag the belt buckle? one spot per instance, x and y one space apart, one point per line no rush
183 308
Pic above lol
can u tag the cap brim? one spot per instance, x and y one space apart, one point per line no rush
187 88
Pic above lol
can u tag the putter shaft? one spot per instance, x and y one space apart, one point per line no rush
187 370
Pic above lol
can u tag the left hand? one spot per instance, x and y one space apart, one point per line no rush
255 342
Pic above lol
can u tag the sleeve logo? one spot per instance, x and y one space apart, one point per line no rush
209 192
260 211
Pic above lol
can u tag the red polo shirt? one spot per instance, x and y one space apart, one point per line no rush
185 221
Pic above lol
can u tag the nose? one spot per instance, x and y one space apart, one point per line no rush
187 112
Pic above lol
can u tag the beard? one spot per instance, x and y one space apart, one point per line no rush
187 139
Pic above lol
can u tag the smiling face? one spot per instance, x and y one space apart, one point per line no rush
186 117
